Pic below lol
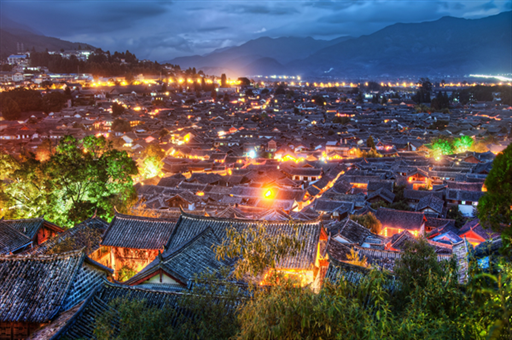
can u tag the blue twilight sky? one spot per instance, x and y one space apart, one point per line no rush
162 30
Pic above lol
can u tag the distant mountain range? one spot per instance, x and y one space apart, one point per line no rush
445 46
13 33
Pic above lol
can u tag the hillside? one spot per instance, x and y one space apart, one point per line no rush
448 45
12 33
264 52
445 46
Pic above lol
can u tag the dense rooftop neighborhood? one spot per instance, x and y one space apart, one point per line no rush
233 154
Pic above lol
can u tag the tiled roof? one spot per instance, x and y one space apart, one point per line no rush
36 288
11 239
194 257
137 232
190 226
354 232
82 234
431 202
384 193
400 219
29 227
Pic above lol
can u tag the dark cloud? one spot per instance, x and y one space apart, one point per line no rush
264 9
213 29
84 16
489 5
162 30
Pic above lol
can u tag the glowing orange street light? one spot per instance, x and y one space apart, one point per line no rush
268 194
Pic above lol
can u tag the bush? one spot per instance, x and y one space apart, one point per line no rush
369 221
125 273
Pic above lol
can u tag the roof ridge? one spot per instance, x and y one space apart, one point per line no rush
41 257
146 218
238 220
208 229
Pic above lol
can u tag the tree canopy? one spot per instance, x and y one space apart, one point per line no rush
79 178
494 208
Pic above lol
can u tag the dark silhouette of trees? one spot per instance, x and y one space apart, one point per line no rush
117 109
423 94
54 102
10 110
120 125
370 143
319 100
494 207
99 63
440 102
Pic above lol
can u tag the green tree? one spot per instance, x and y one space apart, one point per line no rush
462 144
54 102
319 100
207 312
120 125
369 221
370 143
117 109
341 120
441 147
418 264
258 248
10 110
78 179
494 208
455 214
163 133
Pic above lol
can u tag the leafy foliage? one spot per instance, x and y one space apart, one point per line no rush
125 273
13 102
417 264
367 154
258 250
120 125
370 143
207 312
98 63
462 144
455 214
494 207
78 179
117 109
341 120
319 100
355 259
441 147
369 221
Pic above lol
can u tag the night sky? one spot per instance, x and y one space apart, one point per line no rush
162 30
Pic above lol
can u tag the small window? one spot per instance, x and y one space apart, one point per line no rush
297 178
313 178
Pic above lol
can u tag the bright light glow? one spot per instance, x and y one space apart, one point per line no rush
252 154
502 78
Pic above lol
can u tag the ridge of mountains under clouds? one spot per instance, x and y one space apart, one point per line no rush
445 46
12 33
